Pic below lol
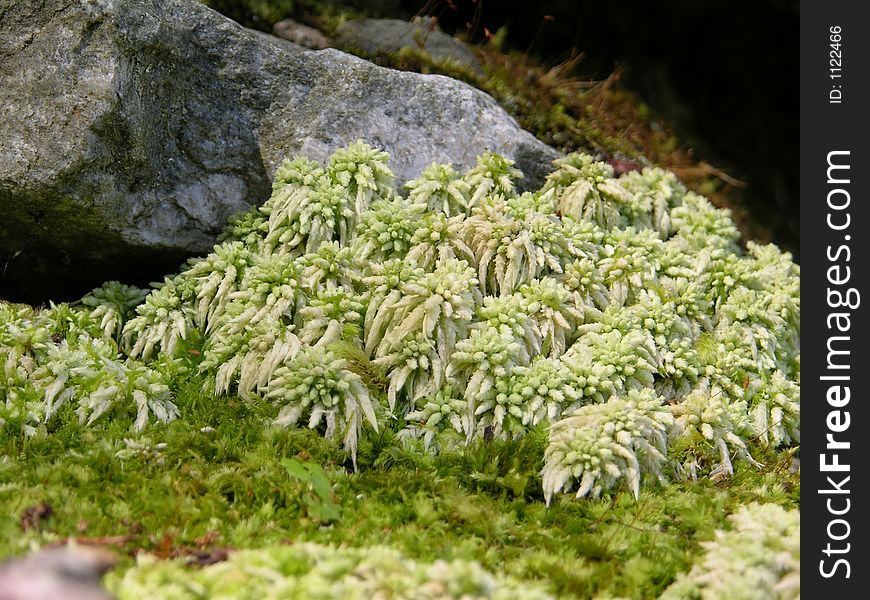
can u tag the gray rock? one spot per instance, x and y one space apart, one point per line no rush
375 36
300 34
131 129
65 573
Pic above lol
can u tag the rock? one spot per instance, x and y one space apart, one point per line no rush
131 129
300 34
67 573
375 36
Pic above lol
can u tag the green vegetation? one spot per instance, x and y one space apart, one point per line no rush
584 391
769 567
431 373
204 493
256 13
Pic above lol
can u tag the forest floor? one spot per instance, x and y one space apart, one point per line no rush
219 479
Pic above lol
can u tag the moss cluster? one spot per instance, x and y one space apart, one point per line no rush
435 338
213 482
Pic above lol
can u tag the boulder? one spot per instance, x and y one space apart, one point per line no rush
376 36
61 573
131 129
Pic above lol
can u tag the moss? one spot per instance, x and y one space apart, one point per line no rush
227 489
219 478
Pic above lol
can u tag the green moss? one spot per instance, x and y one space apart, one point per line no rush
224 477
228 488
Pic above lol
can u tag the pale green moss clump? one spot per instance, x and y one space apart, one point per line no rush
60 357
618 313
621 312
316 571
757 560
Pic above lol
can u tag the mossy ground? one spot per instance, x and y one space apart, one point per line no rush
212 490
219 484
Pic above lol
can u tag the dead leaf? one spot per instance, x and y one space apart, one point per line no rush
206 540
33 516
203 558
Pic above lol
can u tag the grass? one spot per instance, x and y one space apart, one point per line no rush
213 481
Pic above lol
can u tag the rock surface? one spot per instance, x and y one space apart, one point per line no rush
131 129
64 573
374 36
